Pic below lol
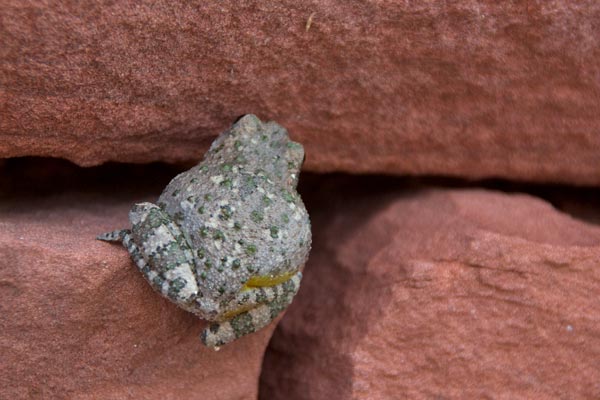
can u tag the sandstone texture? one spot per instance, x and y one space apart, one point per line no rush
411 291
79 321
440 294
470 89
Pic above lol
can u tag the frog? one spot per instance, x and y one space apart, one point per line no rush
228 239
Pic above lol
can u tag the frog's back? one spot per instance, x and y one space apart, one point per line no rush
239 209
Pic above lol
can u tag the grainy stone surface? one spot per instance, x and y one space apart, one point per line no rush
469 88
440 294
79 321
408 293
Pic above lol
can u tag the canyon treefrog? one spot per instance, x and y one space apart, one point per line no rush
227 239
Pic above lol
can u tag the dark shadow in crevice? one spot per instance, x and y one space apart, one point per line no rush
26 177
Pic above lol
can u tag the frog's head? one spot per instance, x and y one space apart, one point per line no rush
261 148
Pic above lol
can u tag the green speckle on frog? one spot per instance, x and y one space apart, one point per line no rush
207 245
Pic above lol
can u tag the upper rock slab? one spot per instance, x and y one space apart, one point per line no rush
466 89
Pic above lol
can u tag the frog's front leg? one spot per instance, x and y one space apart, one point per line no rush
251 310
161 253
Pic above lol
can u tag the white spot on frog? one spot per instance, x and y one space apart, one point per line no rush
217 179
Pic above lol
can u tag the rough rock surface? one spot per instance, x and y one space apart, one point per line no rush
445 294
472 89
79 321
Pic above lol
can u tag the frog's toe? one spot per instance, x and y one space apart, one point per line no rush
220 333
114 236
217 334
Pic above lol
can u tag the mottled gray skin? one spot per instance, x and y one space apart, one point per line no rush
226 240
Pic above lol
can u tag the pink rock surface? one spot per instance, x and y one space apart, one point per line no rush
447 294
79 321
471 89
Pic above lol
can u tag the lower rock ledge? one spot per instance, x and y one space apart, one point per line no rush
79 321
441 294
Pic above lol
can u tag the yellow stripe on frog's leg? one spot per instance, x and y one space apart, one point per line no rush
267 280
252 296
249 299
249 321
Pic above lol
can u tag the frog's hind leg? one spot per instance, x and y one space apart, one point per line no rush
262 306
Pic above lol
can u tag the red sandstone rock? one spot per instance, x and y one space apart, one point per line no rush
79 321
447 294
467 89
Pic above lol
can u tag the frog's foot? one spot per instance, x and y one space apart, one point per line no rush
259 307
114 236
160 252
124 236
